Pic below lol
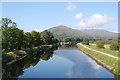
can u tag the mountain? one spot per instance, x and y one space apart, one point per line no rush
62 32
100 33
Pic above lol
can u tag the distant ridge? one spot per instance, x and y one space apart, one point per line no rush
62 32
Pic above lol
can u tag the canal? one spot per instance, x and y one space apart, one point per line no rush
64 62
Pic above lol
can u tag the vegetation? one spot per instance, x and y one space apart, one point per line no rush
106 50
114 46
62 32
15 39
17 43
73 40
107 60
100 44
85 41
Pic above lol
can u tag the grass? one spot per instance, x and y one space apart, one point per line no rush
106 50
107 60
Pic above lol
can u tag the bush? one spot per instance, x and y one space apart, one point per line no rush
85 41
100 44
11 54
21 52
114 46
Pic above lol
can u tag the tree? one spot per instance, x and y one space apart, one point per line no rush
12 38
85 41
36 38
100 44
6 22
28 41
114 46
79 40
47 37
55 41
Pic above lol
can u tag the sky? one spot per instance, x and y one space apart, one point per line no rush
40 16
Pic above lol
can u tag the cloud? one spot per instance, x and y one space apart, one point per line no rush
96 20
71 7
37 30
79 15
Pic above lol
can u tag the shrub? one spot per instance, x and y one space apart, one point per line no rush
21 52
100 44
85 41
11 54
114 46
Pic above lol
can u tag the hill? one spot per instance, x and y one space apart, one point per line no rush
62 32
100 33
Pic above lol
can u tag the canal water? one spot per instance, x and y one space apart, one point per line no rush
65 62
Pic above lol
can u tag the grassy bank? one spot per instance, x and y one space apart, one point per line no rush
113 63
19 54
106 49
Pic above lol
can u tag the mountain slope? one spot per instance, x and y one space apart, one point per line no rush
62 32
100 33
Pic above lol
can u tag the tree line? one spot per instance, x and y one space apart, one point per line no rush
15 38
99 42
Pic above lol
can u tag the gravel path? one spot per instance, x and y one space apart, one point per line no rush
99 52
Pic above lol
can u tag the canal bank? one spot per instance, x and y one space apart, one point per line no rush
109 63
10 57
63 62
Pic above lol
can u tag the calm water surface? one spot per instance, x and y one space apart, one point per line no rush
62 63
67 63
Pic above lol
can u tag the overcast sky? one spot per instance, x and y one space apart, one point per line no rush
78 15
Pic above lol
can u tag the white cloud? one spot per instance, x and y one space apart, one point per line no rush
71 7
96 20
79 15
37 30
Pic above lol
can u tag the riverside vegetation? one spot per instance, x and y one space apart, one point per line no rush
17 44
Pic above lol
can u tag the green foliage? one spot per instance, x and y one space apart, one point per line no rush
114 46
6 22
47 37
22 52
73 40
28 41
36 38
12 38
15 39
11 54
100 44
85 41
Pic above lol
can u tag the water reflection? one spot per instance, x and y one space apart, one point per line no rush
17 68
66 62
84 67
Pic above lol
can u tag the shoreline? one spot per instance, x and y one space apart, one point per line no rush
109 68
9 60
